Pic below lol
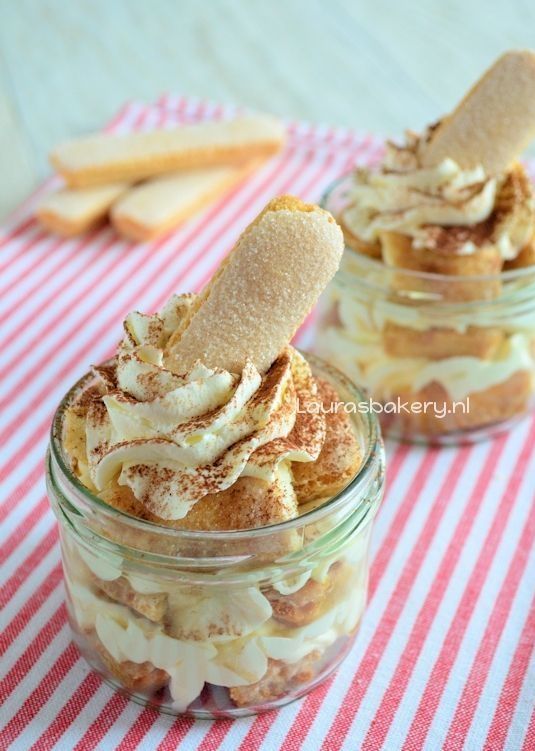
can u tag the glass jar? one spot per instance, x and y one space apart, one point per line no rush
445 359
217 624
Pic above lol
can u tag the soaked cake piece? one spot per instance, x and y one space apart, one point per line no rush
280 678
152 606
441 342
135 676
339 457
309 602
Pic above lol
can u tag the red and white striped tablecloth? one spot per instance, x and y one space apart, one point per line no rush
444 658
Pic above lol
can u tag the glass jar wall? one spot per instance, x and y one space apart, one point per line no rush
217 623
446 358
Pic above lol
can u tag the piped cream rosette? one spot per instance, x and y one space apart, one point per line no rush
406 197
174 438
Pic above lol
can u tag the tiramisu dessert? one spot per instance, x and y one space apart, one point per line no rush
220 563
434 301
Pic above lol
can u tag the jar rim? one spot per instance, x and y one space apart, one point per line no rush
374 264
361 480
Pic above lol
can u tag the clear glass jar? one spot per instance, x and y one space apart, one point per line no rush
445 358
217 624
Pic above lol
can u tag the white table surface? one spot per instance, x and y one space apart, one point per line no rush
67 66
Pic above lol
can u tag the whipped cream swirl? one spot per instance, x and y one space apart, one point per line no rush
402 196
174 438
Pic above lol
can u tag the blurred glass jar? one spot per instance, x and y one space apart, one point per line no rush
217 624
445 358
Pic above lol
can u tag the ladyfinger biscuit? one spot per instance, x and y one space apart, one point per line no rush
103 158
248 503
494 404
71 212
135 676
499 402
340 456
355 243
263 290
280 678
526 257
399 253
437 343
152 606
155 207
514 211
494 122
313 599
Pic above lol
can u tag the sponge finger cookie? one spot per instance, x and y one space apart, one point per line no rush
494 122
496 403
280 677
356 243
265 288
71 212
399 252
526 257
135 676
339 458
313 599
438 343
104 158
155 207
153 605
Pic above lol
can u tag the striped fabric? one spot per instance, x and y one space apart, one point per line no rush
444 658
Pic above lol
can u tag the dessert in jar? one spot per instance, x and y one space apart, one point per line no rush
433 309
216 489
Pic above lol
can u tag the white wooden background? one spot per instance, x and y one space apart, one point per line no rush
67 65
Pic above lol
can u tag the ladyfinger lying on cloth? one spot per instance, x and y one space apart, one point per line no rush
158 205
71 212
104 158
